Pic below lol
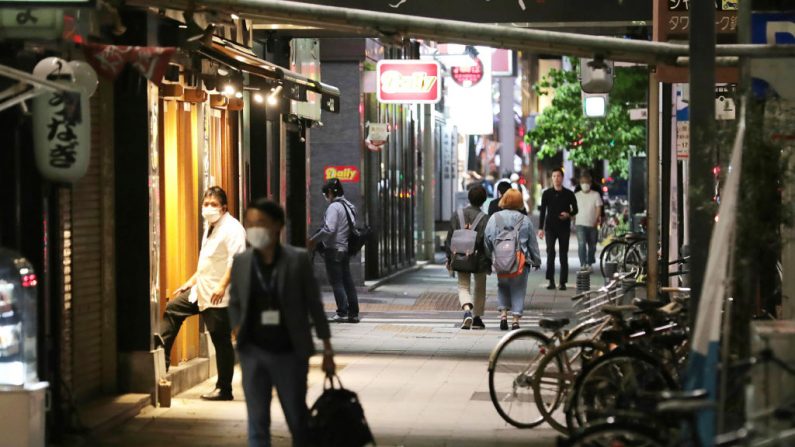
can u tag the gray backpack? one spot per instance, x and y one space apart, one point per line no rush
508 257
463 245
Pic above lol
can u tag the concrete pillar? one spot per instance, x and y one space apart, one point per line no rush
507 130
428 171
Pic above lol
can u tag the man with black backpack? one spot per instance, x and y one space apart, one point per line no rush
338 227
466 256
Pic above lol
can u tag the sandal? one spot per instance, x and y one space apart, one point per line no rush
514 326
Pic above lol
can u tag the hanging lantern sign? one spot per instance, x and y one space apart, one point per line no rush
377 135
61 121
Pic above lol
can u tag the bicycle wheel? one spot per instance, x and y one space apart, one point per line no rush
613 252
555 375
613 386
510 375
620 434
635 256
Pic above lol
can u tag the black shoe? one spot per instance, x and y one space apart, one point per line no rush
353 319
503 324
562 286
338 318
477 323
217 394
514 326
551 285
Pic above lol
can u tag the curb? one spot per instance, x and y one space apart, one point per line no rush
372 286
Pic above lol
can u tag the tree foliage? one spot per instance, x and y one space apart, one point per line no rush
563 125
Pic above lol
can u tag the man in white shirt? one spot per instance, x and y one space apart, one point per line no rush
206 292
588 219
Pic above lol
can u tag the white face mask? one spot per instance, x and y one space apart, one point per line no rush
585 186
211 214
258 237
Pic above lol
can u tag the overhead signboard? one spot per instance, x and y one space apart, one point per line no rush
507 11
408 82
672 22
773 28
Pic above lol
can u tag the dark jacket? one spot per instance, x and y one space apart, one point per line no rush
301 303
470 213
494 208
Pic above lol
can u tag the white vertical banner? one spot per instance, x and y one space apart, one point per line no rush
471 102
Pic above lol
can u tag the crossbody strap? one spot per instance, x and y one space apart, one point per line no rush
347 214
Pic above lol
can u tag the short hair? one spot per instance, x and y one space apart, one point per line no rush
503 186
334 185
586 174
559 170
512 200
218 193
477 195
269 208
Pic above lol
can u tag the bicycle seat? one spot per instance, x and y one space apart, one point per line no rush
670 340
618 311
647 305
553 324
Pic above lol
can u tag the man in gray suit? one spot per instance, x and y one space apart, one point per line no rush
274 301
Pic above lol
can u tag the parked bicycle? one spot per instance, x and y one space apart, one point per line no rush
530 372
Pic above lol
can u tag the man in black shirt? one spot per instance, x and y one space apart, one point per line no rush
274 301
494 205
558 205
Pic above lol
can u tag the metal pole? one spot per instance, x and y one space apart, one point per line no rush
428 170
653 179
390 26
702 142
665 183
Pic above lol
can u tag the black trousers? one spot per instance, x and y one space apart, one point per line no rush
561 236
338 270
217 321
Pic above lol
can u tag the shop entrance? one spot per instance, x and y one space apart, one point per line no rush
180 213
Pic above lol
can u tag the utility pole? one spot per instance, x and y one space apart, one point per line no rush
702 142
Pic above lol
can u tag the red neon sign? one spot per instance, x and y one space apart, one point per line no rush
408 81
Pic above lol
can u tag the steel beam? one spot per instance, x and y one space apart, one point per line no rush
498 36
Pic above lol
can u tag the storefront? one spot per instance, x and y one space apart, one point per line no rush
200 118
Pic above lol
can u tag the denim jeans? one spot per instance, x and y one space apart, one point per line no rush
338 270
511 292
586 241
287 372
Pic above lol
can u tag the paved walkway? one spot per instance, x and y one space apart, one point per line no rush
422 381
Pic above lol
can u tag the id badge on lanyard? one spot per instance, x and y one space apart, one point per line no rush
269 317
